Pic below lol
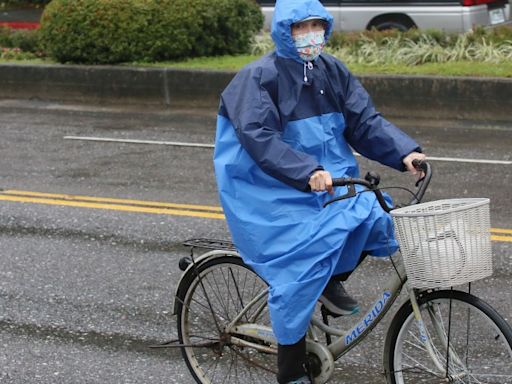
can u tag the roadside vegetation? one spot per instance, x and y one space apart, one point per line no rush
414 47
417 48
459 68
97 32
116 31
482 52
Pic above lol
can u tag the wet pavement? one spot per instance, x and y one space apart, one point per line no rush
84 291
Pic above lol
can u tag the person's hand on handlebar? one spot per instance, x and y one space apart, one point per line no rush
321 181
410 167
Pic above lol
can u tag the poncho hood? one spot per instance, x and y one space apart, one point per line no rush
287 12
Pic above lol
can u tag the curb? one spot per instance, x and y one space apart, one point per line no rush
113 85
428 97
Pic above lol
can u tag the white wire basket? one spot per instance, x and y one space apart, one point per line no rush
445 243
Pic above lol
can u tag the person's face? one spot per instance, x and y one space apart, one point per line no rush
307 26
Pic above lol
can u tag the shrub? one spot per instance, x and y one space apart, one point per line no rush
428 47
26 40
496 35
215 27
92 31
261 44
113 31
15 54
238 21
414 47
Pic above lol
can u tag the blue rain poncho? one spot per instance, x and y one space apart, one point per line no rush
279 121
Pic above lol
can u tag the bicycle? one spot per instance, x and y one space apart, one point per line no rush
438 335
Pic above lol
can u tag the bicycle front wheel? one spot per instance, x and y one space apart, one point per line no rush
215 295
471 342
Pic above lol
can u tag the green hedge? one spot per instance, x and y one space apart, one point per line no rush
114 31
27 40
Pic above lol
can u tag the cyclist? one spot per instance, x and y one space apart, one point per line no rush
284 126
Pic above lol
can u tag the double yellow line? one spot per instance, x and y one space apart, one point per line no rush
126 205
500 234
155 207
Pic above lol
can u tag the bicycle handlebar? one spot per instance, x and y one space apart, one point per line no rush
372 179
421 184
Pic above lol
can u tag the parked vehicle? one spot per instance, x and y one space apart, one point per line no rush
447 15
20 18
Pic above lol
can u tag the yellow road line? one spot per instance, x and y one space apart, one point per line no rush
507 239
501 230
117 207
155 207
111 200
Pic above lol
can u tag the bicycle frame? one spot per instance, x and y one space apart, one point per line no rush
346 340
241 332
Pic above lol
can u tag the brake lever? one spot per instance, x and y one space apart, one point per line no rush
420 180
350 193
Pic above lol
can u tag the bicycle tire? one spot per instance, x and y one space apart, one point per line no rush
480 342
229 284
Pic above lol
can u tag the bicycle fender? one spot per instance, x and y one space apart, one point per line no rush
189 272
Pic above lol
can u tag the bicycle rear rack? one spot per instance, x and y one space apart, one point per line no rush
204 243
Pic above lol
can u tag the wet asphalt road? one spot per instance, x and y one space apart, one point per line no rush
84 292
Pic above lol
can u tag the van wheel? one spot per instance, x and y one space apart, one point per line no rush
399 22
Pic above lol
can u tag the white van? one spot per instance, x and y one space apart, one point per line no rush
446 15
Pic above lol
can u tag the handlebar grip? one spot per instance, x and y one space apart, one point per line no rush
423 183
420 165
340 182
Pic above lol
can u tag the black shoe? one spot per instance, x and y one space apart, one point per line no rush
337 301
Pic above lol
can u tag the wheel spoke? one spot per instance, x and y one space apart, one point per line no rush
418 344
217 293
419 367
238 291
226 286
479 350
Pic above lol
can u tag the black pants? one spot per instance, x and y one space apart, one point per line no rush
291 361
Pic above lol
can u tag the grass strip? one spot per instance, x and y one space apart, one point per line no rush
458 68
235 63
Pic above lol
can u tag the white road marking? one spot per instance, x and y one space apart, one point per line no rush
202 145
463 160
130 141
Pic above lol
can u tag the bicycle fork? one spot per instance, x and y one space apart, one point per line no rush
426 339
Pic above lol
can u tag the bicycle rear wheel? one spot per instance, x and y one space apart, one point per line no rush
213 297
479 339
